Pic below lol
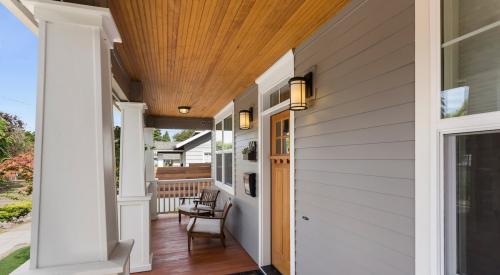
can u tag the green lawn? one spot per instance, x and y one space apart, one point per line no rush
14 260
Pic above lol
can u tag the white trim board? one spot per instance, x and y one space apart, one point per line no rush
281 71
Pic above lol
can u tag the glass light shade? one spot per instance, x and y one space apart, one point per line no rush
245 119
184 109
297 93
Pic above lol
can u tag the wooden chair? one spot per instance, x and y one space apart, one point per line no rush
208 227
204 205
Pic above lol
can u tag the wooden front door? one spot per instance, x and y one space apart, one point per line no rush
280 192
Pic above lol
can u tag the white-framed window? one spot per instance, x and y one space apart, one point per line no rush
469 140
224 149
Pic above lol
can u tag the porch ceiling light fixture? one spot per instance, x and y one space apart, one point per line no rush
246 118
184 109
300 90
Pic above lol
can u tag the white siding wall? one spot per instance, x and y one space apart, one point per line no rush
196 154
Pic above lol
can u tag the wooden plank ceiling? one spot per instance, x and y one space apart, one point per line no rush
205 53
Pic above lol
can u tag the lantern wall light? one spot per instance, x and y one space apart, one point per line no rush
246 118
300 90
184 109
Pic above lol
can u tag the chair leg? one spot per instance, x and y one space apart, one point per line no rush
179 217
223 241
189 243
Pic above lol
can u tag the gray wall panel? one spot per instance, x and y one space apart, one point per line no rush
243 221
355 145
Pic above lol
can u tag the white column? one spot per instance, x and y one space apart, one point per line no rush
133 198
150 170
74 225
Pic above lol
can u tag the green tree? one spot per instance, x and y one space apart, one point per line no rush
183 135
19 140
157 136
5 140
166 137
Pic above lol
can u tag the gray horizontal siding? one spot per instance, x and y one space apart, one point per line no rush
355 144
243 220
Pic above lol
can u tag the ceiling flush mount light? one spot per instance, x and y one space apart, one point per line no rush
300 90
184 109
246 117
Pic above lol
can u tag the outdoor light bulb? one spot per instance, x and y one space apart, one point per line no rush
297 93
184 109
245 117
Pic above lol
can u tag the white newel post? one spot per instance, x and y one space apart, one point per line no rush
150 170
74 226
133 198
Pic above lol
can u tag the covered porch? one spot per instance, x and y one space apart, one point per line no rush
169 245
350 136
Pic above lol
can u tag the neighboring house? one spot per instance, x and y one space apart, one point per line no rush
196 149
166 154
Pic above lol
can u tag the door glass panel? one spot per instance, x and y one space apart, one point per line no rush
278 147
278 129
472 196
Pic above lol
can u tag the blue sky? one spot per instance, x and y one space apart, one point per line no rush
18 69
18 66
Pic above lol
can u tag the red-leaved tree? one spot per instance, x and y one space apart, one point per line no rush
20 166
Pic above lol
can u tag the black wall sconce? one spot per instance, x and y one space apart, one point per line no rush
300 89
246 118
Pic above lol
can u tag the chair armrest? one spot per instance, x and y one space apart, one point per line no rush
203 202
206 217
183 199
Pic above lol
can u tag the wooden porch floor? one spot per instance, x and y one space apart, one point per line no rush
169 245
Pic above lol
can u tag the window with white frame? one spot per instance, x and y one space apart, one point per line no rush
470 64
470 57
224 150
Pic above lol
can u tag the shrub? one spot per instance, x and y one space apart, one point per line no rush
14 211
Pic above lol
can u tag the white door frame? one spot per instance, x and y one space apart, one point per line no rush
430 132
276 75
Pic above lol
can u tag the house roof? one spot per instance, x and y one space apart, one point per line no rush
192 139
164 145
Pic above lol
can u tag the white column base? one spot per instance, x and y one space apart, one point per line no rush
143 268
134 223
119 263
152 190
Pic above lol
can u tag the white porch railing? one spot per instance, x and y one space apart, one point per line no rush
169 192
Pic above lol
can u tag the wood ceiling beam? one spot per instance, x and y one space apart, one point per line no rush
170 122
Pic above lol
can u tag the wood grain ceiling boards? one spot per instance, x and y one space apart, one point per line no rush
205 53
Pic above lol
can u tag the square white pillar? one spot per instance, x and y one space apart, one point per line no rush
133 198
150 170
74 204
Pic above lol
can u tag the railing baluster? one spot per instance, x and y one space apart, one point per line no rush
169 192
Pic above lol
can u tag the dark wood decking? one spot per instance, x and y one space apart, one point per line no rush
169 245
